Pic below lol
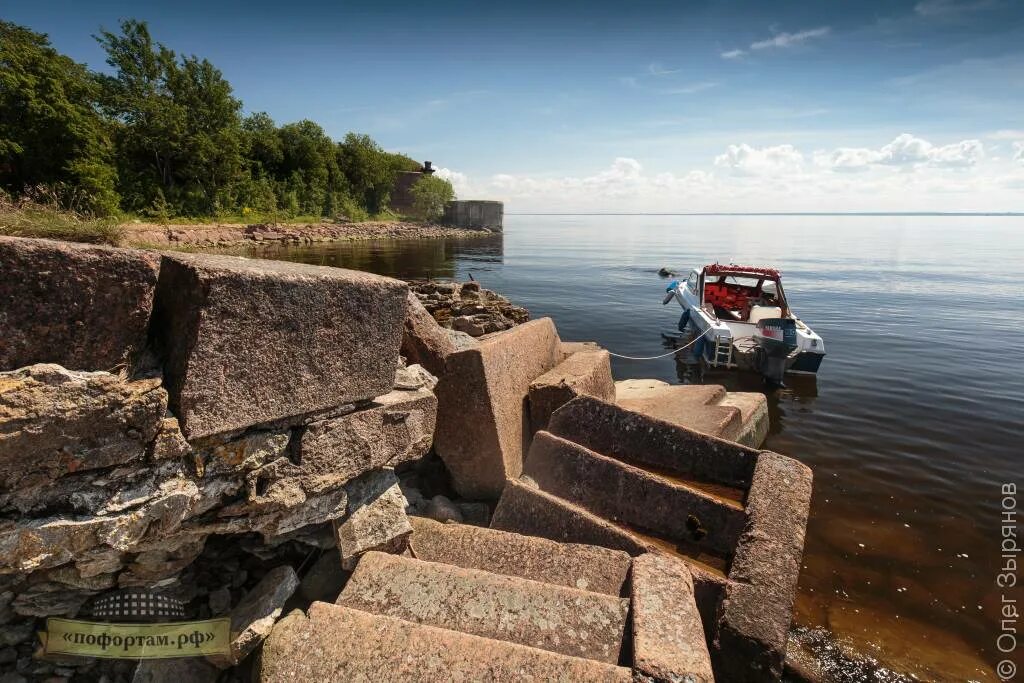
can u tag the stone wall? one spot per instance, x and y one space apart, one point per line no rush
152 406
475 214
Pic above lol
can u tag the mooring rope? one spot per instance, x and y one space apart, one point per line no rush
670 353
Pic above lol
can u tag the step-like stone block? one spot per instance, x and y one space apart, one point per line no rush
248 341
482 414
545 616
618 491
586 567
585 373
757 608
376 518
668 635
80 306
633 437
340 644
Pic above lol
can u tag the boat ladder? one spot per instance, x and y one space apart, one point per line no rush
723 352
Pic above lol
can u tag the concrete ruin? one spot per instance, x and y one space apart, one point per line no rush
248 438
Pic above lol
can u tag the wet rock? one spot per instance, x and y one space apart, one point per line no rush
376 517
82 307
249 341
72 421
477 514
441 509
220 601
480 425
253 617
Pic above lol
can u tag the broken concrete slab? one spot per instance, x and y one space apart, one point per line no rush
357 646
396 428
247 341
706 408
428 343
668 635
633 437
549 617
376 517
84 307
585 373
55 421
757 608
482 415
589 568
635 497
252 619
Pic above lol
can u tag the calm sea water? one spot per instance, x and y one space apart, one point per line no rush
911 426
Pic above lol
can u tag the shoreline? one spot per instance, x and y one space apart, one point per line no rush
220 235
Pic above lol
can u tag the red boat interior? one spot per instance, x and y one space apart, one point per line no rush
733 300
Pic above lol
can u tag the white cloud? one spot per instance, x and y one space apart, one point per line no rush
784 40
689 89
744 160
1018 152
659 69
906 151
459 181
1006 134
733 54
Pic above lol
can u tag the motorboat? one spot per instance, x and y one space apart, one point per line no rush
743 320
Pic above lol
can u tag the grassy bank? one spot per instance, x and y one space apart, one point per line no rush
29 217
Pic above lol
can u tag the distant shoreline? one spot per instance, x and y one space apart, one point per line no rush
210 235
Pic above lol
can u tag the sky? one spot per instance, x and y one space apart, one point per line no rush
675 106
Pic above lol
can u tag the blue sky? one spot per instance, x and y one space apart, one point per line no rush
658 106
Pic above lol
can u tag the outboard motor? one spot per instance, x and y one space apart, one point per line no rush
776 339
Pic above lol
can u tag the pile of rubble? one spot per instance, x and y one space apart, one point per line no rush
467 307
251 437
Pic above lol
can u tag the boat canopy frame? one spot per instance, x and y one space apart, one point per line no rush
760 274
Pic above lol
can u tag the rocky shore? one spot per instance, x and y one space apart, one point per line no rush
278 444
209 235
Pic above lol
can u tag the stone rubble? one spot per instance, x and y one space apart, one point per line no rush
264 448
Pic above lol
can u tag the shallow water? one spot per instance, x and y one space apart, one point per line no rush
911 426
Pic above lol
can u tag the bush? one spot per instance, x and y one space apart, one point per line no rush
429 196
40 213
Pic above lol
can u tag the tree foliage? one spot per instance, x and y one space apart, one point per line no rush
163 134
429 196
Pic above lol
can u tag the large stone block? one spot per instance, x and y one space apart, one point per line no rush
376 517
249 341
55 421
82 307
585 373
545 616
351 645
633 437
585 567
640 499
668 636
396 428
483 414
755 614
252 619
428 343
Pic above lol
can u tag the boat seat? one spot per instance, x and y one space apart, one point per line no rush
758 313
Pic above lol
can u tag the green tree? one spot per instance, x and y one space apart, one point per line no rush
178 124
50 130
429 196
370 171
